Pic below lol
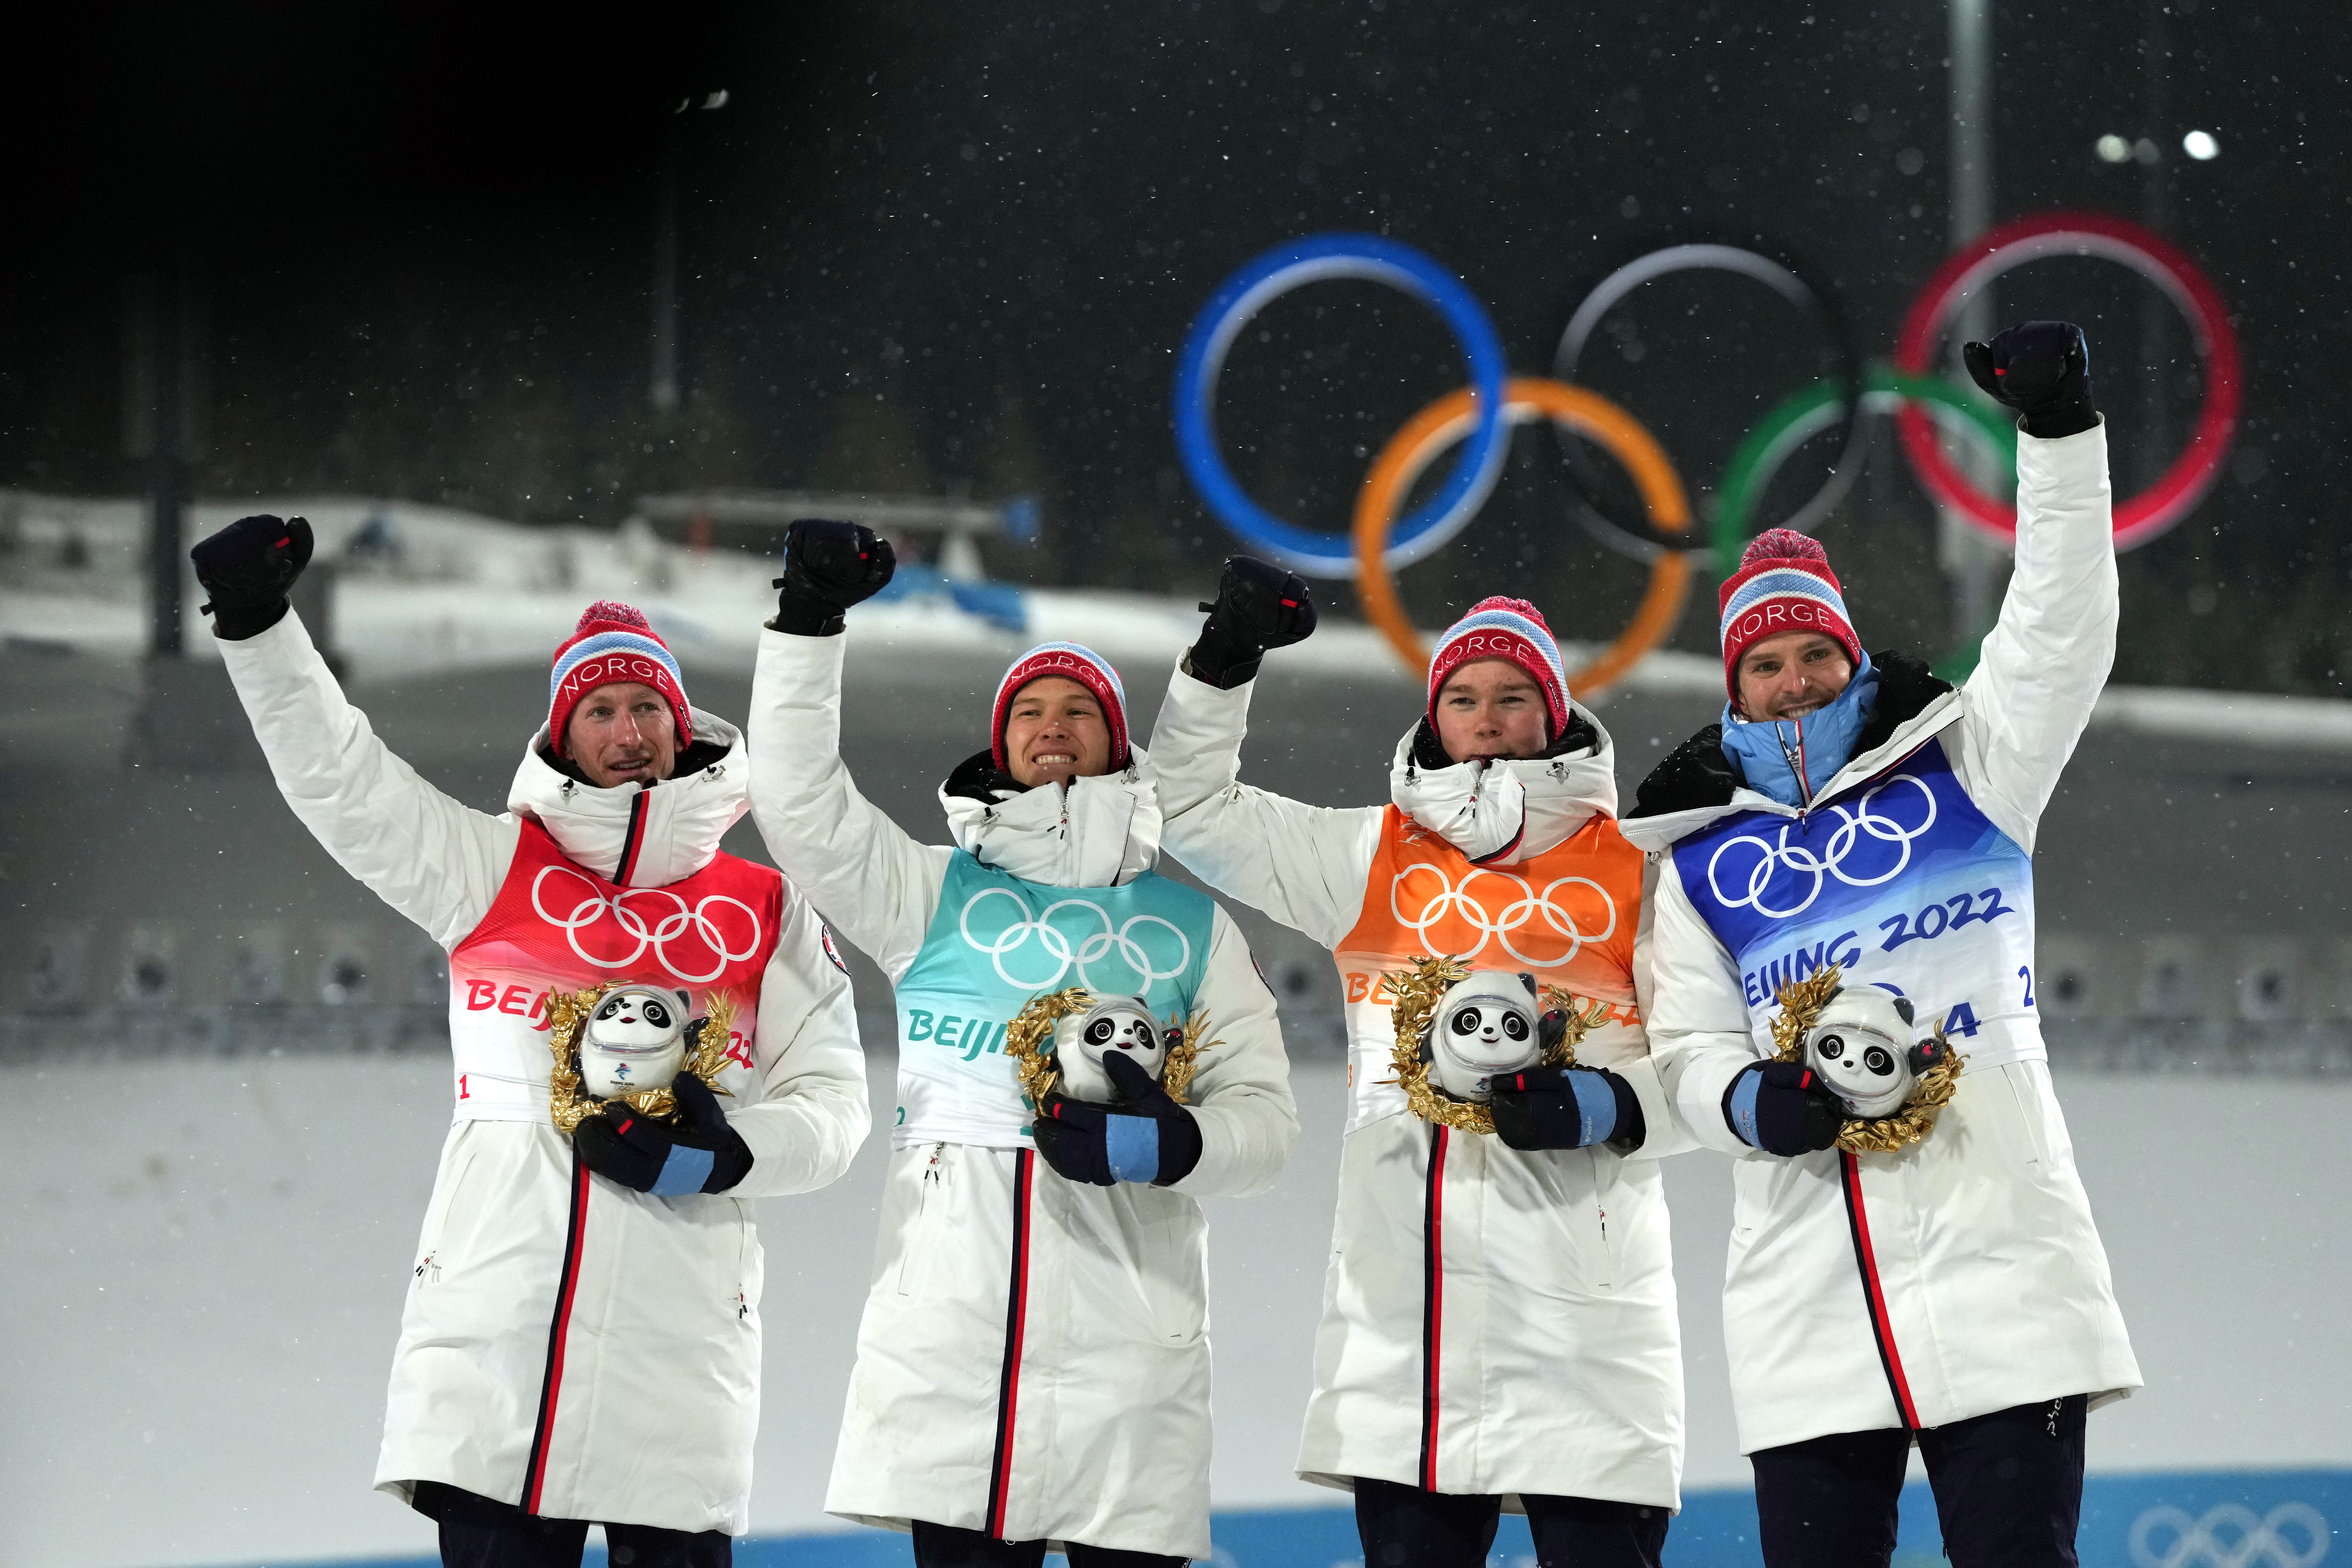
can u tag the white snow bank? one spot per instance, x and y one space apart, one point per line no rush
426 589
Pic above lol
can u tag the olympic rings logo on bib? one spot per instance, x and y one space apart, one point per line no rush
1532 927
704 930
1779 866
2229 1536
1036 952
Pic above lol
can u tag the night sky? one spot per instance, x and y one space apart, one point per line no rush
955 246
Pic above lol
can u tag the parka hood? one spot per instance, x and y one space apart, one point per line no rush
638 835
1097 832
1510 809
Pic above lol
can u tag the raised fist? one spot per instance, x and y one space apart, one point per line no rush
2041 369
247 568
829 566
1258 606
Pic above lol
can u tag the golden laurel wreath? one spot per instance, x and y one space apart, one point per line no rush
1801 1002
568 1100
1029 1041
1418 989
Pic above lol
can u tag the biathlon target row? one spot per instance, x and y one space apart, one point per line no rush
1481 414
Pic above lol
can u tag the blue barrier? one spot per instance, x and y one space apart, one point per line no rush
2217 1519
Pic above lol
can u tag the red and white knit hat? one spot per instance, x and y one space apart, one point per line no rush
1076 662
614 642
1509 629
1784 584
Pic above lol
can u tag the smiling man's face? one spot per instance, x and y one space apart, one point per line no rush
623 734
1791 675
1056 731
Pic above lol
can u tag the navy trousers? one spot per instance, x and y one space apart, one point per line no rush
1405 1527
945 1546
2008 1486
479 1532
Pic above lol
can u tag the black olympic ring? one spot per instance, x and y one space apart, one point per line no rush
1636 537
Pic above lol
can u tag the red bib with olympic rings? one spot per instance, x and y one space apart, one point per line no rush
1565 916
557 925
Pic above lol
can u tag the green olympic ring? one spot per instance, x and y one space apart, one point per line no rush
1807 412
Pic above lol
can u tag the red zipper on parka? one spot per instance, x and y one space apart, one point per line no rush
1873 1292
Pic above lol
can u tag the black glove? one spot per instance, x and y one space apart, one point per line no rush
247 568
2041 369
1567 1108
1151 1139
1782 1108
1258 606
829 566
704 1155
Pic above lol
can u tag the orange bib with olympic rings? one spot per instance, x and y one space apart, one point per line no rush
1565 916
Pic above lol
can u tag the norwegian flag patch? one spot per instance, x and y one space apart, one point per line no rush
825 935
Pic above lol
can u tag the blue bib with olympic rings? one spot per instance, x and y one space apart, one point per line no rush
996 942
1901 880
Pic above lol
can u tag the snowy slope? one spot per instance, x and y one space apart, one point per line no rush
453 590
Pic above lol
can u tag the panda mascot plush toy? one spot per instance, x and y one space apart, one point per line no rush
1488 1025
1122 1024
1861 1046
635 1042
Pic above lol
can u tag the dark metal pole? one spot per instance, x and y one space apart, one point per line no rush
664 378
2153 439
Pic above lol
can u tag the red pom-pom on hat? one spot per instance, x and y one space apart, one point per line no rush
1783 545
612 613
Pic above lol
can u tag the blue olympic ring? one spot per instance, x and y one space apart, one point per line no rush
1314 261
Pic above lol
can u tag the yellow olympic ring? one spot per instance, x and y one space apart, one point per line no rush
1419 441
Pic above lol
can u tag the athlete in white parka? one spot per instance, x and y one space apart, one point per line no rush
582 1335
1498 1323
1863 814
1032 1365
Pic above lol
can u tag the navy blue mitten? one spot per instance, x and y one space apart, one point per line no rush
1567 1108
248 568
829 566
1782 1108
1148 1137
1258 606
2043 370
703 1156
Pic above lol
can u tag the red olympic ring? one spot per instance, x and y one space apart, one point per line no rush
2182 486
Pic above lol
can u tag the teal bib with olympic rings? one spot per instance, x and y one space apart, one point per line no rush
995 942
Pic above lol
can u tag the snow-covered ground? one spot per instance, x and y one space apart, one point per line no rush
202 1303
445 590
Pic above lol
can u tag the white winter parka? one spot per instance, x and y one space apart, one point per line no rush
569 1345
1495 1320
1962 1275
1034 1357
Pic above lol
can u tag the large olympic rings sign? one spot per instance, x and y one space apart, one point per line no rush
1480 416
1257 285
1506 926
1032 952
1430 431
2180 487
628 908
1766 873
